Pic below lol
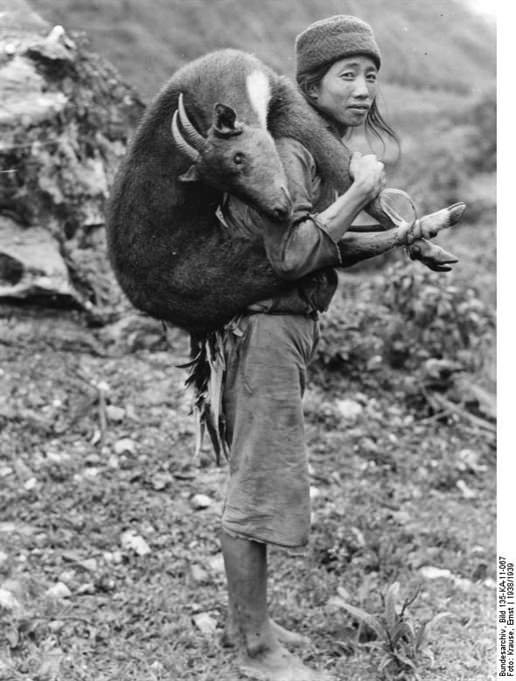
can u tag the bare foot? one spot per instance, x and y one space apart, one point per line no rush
290 638
230 637
279 665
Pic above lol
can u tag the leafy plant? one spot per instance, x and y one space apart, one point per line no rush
403 318
402 643
437 320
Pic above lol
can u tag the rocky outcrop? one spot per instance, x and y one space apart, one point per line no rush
65 117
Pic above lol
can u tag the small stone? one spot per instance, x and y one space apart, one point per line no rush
374 362
200 502
216 563
67 576
90 564
8 600
115 414
401 516
131 412
470 459
30 483
368 445
125 446
57 457
336 603
344 593
105 583
359 536
96 437
17 587
314 492
131 540
161 481
58 591
467 492
86 589
349 409
431 572
198 573
3 558
113 557
462 583
205 623
56 626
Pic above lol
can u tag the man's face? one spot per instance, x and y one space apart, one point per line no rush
347 90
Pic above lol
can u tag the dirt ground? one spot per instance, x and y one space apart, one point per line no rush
110 560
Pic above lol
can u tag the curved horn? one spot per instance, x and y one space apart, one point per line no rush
196 139
182 144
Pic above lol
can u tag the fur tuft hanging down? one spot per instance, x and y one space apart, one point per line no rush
206 378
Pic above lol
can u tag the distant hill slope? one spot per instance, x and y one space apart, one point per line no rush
438 44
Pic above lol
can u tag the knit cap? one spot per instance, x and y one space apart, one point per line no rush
330 39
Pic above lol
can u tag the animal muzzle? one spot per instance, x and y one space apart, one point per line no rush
282 211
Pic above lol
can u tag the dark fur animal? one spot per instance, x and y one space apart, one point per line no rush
170 254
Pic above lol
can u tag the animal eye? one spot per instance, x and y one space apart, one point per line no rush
239 158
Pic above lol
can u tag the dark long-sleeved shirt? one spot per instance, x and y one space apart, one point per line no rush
304 253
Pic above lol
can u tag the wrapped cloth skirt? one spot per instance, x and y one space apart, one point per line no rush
268 493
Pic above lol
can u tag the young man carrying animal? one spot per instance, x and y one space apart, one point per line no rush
267 501
267 263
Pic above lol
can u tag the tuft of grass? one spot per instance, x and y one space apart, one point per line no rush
402 643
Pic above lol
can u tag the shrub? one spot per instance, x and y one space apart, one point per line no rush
400 320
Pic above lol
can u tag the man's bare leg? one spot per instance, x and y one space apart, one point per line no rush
261 653
231 636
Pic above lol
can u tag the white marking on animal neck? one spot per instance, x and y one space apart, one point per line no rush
259 91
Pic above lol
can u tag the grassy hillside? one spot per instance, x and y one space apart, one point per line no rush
425 44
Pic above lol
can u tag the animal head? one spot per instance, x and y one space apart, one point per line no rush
234 157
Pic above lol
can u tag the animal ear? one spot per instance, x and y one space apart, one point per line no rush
190 175
313 91
225 122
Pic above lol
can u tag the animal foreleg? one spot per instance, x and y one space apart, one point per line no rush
357 245
427 227
414 236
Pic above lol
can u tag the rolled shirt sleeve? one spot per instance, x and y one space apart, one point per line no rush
302 246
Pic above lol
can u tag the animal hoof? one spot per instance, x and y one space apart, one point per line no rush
456 212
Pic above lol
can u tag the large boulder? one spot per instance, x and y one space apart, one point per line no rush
65 117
